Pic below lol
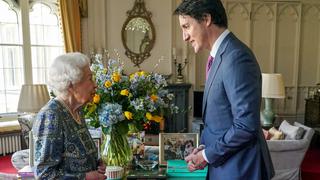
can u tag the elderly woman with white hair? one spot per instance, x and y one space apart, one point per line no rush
63 146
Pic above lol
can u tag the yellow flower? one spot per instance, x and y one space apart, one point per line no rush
116 77
157 119
96 98
128 115
124 92
149 116
142 73
154 98
107 84
91 107
131 76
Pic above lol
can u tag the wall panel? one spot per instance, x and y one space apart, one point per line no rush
287 27
262 34
310 45
239 20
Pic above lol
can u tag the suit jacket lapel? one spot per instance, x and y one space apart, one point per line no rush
213 70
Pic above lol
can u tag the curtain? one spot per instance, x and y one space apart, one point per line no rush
70 18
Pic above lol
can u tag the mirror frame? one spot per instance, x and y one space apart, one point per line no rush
138 10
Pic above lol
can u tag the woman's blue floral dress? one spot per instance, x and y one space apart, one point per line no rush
63 149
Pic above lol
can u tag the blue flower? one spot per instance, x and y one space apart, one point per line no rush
110 113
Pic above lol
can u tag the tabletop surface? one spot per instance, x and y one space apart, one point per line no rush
140 173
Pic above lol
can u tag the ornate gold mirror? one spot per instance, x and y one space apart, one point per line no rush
138 34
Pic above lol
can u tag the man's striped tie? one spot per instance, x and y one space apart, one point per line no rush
209 64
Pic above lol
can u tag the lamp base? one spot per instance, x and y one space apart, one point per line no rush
264 122
267 116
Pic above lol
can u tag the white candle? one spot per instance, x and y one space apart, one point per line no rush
185 51
30 148
174 55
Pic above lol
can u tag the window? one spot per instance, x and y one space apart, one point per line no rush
28 44
46 41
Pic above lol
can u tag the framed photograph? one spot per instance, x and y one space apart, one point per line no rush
97 142
96 135
176 145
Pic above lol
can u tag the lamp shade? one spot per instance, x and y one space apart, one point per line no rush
33 97
272 86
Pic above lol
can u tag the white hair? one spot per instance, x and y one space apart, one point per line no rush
66 69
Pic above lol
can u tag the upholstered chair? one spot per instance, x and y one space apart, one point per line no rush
287 154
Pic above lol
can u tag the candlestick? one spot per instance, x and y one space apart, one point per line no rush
180 67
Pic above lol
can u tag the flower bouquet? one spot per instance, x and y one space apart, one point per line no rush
125 104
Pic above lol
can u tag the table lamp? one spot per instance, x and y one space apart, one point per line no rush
272 87
32 98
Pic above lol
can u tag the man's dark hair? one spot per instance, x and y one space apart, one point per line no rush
198 8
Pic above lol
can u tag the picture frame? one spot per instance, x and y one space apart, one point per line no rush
176 146
96 135
97 142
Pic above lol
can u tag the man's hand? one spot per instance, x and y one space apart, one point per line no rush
199 148
195 160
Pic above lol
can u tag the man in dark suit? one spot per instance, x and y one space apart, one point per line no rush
233 145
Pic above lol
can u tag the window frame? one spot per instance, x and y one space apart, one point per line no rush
22 9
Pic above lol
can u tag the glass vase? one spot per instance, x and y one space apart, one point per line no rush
115 149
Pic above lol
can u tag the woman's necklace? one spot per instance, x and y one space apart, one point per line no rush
75 115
